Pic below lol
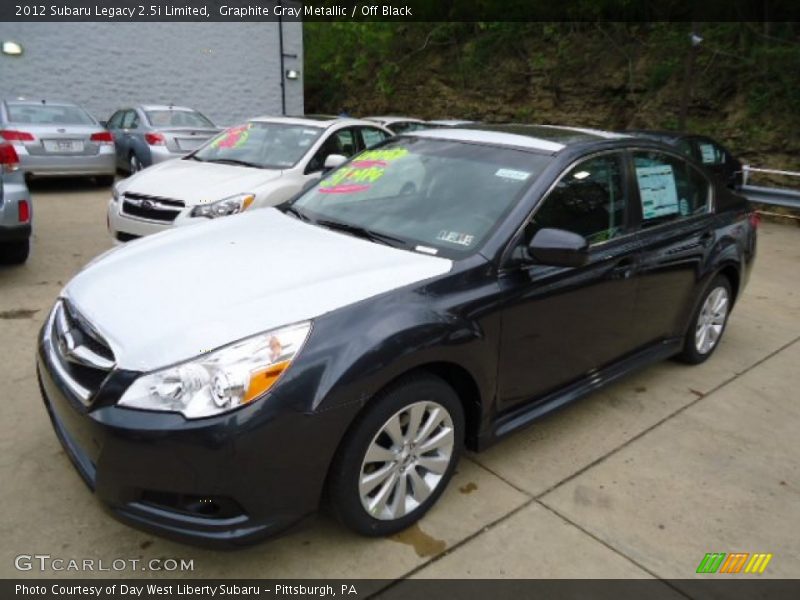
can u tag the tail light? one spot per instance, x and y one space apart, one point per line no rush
10 135
755 219
154 139
8 156
24 211
102 137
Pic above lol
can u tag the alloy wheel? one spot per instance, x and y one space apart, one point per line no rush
406 460
711 320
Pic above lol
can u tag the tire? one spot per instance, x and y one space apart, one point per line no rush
134 164
708 322
104 180
14 253
421 397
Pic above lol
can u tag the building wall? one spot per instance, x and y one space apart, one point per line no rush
229 71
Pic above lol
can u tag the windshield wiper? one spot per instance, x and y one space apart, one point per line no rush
363 232
293 211
233 161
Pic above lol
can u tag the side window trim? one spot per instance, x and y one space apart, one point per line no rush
710 200
630 226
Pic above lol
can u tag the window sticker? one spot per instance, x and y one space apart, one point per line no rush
512 174
454 237
657 190
233 137
360 174
708 154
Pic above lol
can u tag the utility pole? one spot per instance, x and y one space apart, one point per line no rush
688 80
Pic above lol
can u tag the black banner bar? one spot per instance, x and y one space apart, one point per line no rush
398 10
713 587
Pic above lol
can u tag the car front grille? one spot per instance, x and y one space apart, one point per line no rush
81 356
152 208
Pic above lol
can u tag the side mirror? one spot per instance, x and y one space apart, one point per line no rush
333 161
559 248
103 124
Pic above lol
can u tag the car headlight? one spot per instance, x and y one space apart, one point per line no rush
223 208
222 380
115 192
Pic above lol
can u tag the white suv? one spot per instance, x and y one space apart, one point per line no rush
260 163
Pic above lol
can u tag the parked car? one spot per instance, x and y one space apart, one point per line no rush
57 139
261 163
146 135
705 150
398 125
16 210
442 289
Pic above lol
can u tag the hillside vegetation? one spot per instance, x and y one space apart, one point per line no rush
744 78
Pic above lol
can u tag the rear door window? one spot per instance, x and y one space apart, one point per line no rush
669 188
371 136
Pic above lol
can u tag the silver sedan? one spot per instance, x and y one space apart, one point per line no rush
148 134
57 139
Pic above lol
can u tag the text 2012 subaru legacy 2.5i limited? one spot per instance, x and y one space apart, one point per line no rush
215 383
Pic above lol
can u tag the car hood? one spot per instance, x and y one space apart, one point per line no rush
174 295
197 182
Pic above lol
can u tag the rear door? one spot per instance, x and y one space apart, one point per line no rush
560 324
674 201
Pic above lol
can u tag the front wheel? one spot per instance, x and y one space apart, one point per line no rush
708 322
398 457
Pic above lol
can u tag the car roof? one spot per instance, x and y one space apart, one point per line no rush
451 122
37 102
387 118
312 122
164 107
545 138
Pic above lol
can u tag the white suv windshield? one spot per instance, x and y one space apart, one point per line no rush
442 195
260 144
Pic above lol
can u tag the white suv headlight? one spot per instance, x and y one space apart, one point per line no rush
222 380
223 208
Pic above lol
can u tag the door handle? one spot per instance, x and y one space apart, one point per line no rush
624 269
707 238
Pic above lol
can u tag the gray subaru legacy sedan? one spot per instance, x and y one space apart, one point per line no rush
57 139
148 134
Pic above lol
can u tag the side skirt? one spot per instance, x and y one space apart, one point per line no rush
592 382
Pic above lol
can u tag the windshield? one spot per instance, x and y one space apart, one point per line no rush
265 145
177 118
439 196
48 114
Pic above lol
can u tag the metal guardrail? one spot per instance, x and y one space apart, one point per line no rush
772 196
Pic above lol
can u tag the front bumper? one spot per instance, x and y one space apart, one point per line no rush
123 227
260 464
